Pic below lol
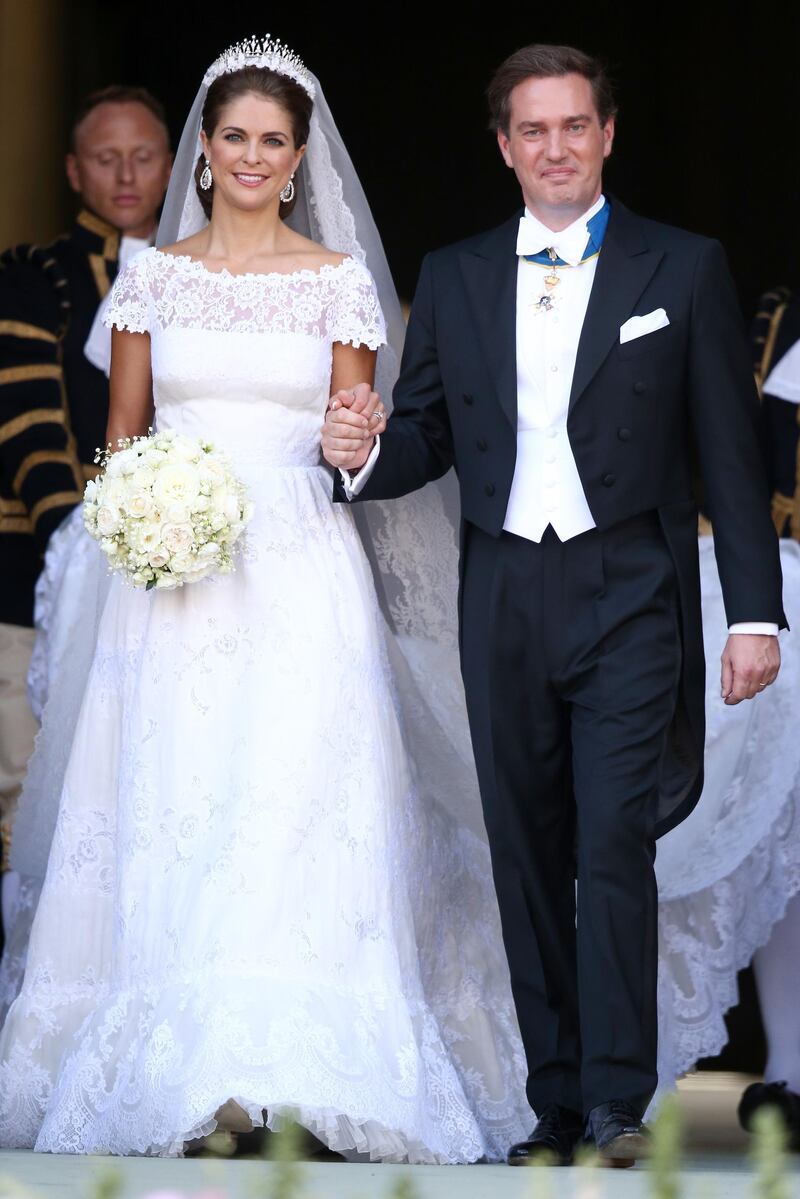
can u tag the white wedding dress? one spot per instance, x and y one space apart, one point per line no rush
246 898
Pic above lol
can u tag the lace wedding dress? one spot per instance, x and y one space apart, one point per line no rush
246 898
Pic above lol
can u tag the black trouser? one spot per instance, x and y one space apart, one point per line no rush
571 659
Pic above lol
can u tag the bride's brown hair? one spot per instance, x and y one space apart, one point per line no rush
259 81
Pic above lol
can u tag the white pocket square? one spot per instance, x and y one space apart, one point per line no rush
637 326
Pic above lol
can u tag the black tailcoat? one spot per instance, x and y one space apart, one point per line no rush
632 408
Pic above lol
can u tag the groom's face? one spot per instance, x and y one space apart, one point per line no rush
556 145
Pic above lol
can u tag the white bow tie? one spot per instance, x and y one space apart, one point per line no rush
569 244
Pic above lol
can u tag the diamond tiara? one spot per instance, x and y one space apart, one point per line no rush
267 52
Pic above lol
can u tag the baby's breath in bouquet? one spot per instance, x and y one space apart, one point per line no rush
166 509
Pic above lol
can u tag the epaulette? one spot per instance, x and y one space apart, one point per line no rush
43 259
766 324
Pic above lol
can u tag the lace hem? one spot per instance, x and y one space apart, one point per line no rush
151 1069
125 321
707 938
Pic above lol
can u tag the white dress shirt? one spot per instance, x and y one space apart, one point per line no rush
547 489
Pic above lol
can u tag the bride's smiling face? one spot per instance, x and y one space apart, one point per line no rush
252 153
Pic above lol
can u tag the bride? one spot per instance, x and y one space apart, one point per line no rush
255 903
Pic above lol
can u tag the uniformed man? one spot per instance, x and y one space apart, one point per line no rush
777 366
776 345
53 396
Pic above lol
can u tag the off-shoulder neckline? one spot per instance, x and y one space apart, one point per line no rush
224 273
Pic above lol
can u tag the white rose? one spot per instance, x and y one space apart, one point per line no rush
208 552
201 504
211 471
145 477
114 468
181 562
108 520
90 494
177 514
177 538
155 457
113 492
231 507
158 559
218 497
183 450
147 536
177 483
139 504
167 582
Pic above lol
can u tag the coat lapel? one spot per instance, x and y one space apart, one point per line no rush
625 267
489 270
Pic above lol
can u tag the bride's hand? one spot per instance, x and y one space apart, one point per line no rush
353 420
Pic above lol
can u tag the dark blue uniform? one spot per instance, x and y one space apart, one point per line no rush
53 402
776 329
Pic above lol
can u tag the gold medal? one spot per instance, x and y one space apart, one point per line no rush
551 281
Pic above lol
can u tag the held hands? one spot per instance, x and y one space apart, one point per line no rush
750 662
352 422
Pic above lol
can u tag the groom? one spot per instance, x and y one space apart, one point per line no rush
561 362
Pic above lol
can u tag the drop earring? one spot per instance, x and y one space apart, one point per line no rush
206 179
287 193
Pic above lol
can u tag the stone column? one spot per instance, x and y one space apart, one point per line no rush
32 120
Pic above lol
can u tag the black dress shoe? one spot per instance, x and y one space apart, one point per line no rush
555 1136
618 1134
772 1094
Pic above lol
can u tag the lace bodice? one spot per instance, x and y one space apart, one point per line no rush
245 359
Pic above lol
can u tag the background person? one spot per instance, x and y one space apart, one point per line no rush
53 397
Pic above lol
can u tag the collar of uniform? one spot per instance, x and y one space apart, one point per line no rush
570 243
98 236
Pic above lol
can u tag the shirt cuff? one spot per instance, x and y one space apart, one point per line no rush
354 484
755 626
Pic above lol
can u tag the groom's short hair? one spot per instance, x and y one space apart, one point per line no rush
546 62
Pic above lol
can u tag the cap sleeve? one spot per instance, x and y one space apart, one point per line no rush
355 315
128 303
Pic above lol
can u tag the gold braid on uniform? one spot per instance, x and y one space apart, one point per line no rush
40 474
765 331
766 326
5 846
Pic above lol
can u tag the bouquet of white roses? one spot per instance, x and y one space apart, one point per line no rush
166 509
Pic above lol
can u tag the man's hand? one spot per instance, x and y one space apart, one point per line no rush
750 662
353 420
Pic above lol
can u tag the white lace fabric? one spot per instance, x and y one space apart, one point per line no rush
250 893
727 873
336 303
